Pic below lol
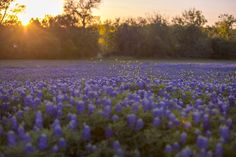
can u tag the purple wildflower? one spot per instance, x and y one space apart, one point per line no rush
57 130
202 142
11 138
116 145
115 118
219 150
86 133
43 142
139 124
131 120
62 143
108 132
224 132
168 149
186 152
55 149
29 148
183 138
39 120
80 106
72 124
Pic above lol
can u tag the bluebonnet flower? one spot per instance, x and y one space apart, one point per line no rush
208 133
55 149
19 114
218 150
57 130
107 111
156 112
202 142
146 105
171 117
156 121
139 124
120 153
28 100
198 102
209 153
1 130
11 138
80 106
91 148
73 124
116 145
229 123
196 117
170 124
26 138
187 125
29 148
43 141
62 143
60 98
197 131
51 109
56 122
72 116
108 132
115 118
168 149
135 107
107 102
206 124
176 146
14 123
131 120
118 108
224 132
203 153
186 152
39 120
91 108
86 133
21 131
183 138
141 84
231 99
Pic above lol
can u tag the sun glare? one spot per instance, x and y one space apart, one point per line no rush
24 22
39 8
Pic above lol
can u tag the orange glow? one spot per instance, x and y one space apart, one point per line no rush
39 8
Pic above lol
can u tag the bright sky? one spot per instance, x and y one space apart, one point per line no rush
40 8
133 8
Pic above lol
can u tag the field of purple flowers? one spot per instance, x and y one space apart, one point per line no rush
117 108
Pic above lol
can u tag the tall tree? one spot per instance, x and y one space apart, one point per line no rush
190 17
225 25
81 10
4 6
8 13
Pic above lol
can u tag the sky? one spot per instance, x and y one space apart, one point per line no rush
110 9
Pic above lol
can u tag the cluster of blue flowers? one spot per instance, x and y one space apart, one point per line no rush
120 109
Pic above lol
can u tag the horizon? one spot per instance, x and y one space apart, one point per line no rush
133 8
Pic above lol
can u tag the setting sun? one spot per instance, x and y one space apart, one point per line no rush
39 8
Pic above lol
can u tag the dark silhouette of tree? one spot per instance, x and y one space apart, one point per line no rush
190 17
72 35
81 10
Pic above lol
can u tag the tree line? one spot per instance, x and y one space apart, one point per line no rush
78 34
